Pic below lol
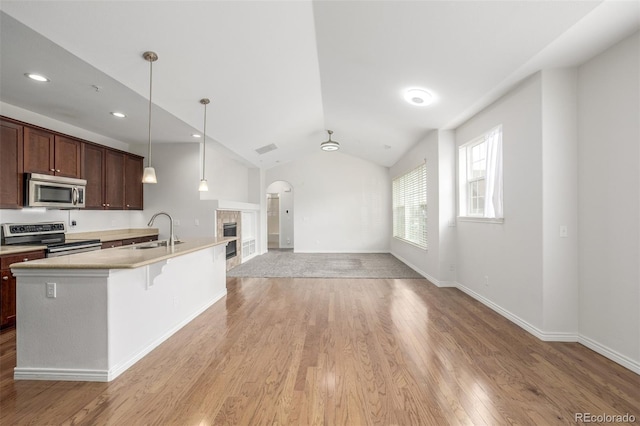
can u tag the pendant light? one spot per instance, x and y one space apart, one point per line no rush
203 182
330 145
149 175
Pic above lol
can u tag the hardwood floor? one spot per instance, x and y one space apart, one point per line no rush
345 352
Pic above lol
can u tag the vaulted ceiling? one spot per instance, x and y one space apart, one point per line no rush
282 72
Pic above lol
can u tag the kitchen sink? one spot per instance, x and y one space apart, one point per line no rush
154 244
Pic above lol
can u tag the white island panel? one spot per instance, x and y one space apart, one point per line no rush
103 321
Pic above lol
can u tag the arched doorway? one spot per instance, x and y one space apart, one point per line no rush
280 216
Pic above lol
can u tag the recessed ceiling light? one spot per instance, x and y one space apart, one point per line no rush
37 77
118 114
418 97
195 135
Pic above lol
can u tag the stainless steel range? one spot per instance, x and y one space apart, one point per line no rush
50 234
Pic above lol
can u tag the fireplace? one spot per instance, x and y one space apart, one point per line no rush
231 230
229 224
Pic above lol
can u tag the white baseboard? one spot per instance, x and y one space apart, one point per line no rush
610 353
340 251
555 336
433 280
60 374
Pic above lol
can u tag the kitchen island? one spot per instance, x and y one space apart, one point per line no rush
90 316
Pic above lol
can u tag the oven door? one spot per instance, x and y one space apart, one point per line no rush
53 191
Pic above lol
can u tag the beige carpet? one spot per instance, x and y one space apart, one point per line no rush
323 265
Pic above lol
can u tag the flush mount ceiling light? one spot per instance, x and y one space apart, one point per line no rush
330 145
37 77
203 182
418 97
149 175
118 114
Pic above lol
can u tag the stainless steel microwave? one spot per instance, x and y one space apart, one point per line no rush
54 191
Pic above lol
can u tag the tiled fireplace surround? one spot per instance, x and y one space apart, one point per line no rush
230 216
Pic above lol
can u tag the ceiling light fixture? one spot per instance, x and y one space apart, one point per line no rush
118 114
203 182
330 145
37 77
418 97
195 135
149 175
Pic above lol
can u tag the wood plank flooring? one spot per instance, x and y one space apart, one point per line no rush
337 352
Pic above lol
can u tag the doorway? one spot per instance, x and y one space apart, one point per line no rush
280 216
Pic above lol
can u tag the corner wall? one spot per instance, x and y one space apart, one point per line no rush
609 202
502 264
439 200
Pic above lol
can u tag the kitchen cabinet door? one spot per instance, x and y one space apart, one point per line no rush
11 165
7 299
133 182
8 285
114 177
93 159
38 151
66 157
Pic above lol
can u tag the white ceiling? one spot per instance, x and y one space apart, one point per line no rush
282 72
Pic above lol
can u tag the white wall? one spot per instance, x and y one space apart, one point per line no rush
560 201
36 119
509 254
342 203
178 168
609 202
227 178
427 262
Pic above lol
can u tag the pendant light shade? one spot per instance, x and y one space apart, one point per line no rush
149 175
330 145
204 186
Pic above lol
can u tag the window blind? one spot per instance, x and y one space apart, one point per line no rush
409 197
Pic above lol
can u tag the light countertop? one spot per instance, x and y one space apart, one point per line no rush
4 250
126 257
103 236
113 234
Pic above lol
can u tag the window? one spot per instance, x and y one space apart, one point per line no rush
480 176
409 193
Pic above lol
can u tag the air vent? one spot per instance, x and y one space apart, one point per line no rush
266 148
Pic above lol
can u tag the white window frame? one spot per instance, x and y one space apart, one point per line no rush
409 207
467 180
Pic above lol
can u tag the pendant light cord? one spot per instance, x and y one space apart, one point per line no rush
204 140
150 92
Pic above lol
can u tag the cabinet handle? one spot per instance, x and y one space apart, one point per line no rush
127 205
52 170
57 170
25 259
108 204
5 278
104 205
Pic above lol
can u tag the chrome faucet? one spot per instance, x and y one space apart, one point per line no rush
172 239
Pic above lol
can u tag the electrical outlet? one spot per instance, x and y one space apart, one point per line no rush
564 231
51 290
